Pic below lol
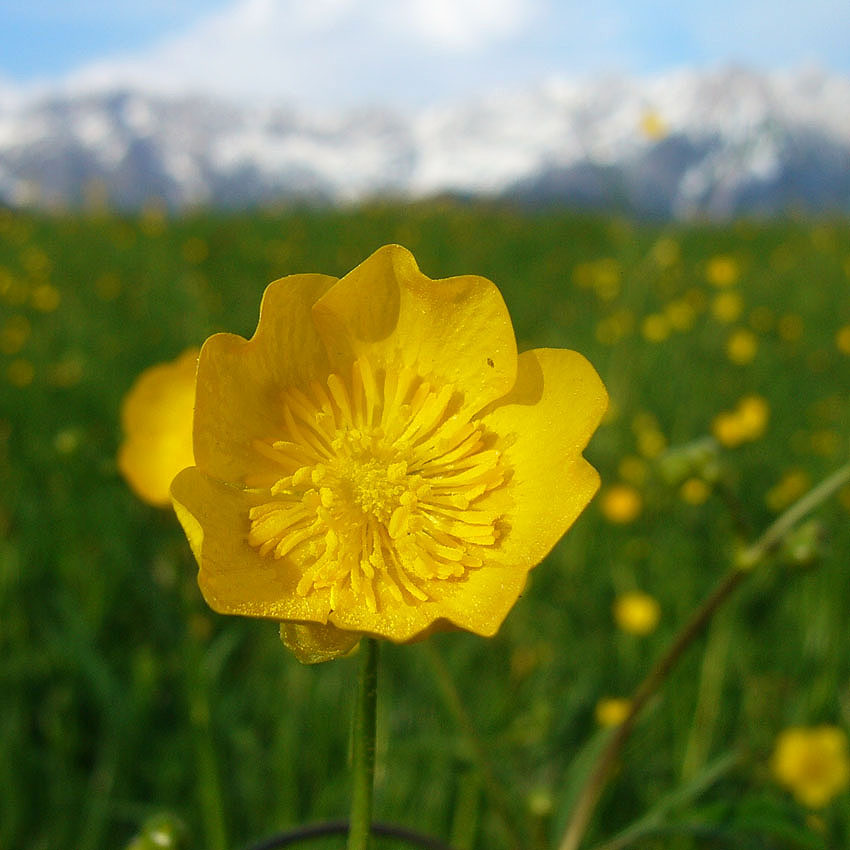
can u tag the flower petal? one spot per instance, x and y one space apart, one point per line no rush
456 330
156 416
238 395
312 643
478 603
233 577
543 426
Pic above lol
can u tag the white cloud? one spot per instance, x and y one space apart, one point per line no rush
325 51
466 24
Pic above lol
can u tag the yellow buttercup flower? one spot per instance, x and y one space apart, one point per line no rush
722 271
637 613
742 346
621 503
378 460
156 416
694 491
813 763
612 711
746 423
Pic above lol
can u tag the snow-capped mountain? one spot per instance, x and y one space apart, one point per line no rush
715 143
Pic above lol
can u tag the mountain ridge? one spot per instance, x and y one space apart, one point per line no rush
716 143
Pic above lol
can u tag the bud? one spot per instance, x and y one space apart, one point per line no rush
697 459
803 545
163 831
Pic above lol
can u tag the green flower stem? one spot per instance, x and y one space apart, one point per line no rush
363 747
744 563
776 533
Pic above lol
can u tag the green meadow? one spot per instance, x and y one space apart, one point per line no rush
123 697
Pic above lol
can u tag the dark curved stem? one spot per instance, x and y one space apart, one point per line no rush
340 827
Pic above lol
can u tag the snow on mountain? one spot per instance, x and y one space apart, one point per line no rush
717 143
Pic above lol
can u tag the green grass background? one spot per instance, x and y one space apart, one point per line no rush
122 696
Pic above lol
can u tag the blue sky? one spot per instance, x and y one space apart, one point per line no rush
353 51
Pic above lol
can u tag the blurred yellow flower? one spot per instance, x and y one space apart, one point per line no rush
746 423
788 489
666 252
655 327
621 503
378 460
14 334
741 347
694 491
612 711
727 306
813 763
156 416
45 298
842 339
653 126
681 314
637 613
722 271
633 469
602 275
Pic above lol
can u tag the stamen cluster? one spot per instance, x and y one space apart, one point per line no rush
382 487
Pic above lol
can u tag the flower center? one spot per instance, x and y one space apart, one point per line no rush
383 485
372 487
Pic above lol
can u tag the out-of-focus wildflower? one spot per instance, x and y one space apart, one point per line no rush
680 314
637 613
746 423
612 711
378 460
634 470
156 416
666 252
655 327
14 334
789 488
826 442
842 339
620 504
651 442
694 491
812 763
615 327
603 276
45 298
742 346
727 306
653 126
722 271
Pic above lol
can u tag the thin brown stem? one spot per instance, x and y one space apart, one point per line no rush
749 558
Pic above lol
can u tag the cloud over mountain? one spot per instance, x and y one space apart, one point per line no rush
689 143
